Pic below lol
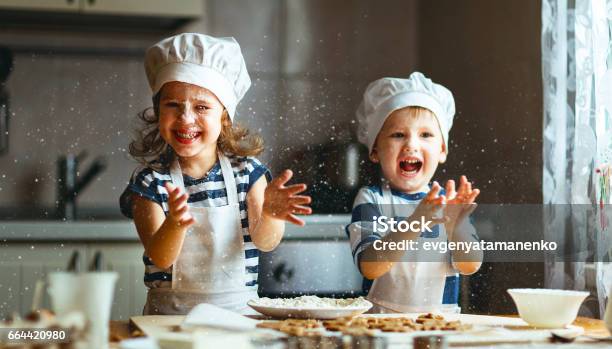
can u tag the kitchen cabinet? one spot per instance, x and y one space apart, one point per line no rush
130 291
41 5
315 258
157 8
22 264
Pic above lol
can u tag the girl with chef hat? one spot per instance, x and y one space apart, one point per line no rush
202 204
405 125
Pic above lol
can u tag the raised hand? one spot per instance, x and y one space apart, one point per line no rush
431 206
178 212
282 202
460 203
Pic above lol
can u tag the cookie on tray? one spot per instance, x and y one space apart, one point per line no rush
273 325
358 331
429 316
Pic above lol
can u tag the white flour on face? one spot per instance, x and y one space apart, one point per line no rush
312 302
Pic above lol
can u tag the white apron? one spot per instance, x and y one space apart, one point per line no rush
211 265
411 286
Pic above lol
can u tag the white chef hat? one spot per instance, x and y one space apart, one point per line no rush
383 96
213 63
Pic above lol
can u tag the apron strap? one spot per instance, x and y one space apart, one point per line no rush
228 178
177 179
177 175
388 209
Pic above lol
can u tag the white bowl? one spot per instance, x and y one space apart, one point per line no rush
547 308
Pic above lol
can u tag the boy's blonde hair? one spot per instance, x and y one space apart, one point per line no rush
149 146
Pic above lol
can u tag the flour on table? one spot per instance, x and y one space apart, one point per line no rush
311 302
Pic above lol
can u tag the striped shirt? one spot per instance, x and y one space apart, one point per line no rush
362 235
209 191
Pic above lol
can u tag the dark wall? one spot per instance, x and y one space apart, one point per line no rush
487 52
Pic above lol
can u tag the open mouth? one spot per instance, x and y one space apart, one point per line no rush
185 136
411 166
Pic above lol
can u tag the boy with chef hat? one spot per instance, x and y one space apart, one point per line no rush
405 125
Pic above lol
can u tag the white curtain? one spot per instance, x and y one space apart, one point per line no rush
577 83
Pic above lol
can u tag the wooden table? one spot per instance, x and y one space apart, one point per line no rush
592 327
120 330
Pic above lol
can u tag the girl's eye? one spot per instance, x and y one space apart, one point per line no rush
171 104
201 108
427 134
397 135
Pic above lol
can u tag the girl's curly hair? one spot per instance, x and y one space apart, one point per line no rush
150 149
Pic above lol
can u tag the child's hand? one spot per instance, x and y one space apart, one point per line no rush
460 204
178 212
431 206
281 202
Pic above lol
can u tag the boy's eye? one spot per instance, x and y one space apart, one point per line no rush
201 108
397 135
171 104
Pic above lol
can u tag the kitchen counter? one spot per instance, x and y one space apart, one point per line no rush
51 231
317 227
